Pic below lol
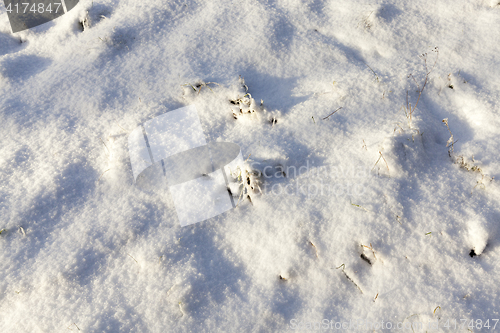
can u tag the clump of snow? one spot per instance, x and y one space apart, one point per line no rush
478 237
245 183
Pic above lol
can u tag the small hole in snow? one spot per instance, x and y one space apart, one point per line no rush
365 258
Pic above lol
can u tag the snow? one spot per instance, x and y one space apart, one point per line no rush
86 249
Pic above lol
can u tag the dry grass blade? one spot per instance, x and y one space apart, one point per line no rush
349 278
102 175
409 108
133 258
381 157
315 248
332 113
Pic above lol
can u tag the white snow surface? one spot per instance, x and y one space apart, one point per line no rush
85 249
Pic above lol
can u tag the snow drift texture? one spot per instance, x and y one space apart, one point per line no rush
84 248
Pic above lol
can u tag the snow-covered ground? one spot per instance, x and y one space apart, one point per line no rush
379 224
